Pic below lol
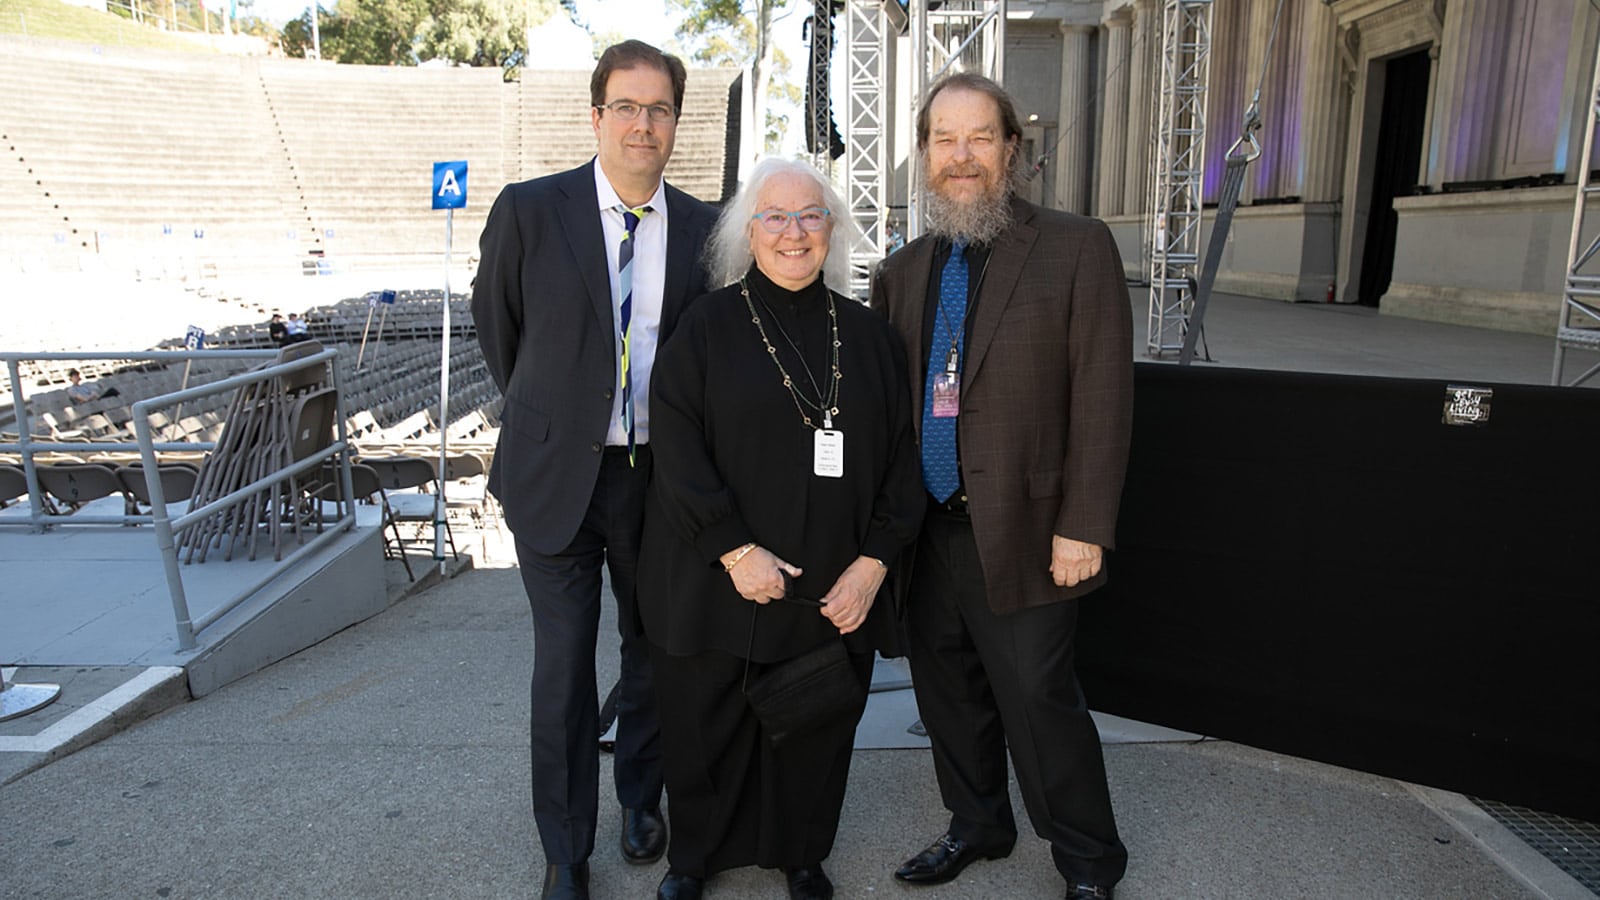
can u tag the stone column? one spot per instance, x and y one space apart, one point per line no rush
1077 121
1324 107
1471 65
1143 85
1112 160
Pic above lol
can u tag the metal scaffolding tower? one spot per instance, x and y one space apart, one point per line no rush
870 29
819 118
1578 327
1180 160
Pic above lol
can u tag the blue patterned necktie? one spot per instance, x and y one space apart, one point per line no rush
939 471
630 221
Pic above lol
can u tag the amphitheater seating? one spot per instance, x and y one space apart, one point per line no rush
154 162
174 165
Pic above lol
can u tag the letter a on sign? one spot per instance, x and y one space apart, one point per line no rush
450 185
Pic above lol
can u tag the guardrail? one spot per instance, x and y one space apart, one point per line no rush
165 527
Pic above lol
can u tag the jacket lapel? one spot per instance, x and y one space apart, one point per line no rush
1010 254
909 315
580 220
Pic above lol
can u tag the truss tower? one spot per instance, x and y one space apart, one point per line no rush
1578 327
1180 169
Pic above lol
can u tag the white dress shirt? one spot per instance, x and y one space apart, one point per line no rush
649 284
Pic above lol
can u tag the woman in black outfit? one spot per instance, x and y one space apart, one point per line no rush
781 427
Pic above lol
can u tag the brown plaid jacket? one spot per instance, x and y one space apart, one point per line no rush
1046 395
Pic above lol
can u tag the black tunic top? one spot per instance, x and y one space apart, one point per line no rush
733 463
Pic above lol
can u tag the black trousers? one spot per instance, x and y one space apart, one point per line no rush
733 798
987 682
564 592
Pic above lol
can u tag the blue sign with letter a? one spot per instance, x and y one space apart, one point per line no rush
450 185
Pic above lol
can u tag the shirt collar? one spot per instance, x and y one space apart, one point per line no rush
609 199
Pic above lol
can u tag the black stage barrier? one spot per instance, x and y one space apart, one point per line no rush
1318 566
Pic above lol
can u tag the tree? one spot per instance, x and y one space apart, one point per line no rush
363 32
737 33
481 32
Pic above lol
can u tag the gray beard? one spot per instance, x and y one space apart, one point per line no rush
978 222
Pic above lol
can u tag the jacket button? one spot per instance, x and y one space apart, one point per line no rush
595 447
610 393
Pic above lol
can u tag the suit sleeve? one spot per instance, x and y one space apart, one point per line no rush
497 289
1100 392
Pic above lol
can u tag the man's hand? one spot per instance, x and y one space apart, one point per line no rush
1073 561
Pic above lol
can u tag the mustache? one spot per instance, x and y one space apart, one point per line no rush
962 170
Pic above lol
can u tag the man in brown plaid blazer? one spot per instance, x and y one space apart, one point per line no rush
1018 331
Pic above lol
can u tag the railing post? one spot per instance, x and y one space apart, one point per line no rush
163 525
25 443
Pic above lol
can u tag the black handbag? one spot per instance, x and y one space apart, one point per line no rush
802 692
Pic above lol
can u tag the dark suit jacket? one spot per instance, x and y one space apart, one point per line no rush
1046 393
542 305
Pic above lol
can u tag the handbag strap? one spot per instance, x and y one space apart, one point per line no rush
750 646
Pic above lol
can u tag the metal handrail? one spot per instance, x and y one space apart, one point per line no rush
165 527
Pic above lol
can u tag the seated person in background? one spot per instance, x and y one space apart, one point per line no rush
297 329
277 331
81 391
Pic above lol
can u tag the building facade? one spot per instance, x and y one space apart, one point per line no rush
1417 155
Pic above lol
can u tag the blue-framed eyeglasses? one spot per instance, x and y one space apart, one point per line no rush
776 221
627 110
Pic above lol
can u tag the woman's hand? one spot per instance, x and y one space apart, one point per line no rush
758 575
850 599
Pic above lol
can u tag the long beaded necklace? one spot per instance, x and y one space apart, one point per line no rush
828 407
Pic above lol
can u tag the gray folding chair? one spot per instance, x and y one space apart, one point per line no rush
177 485
14 485
365 485
403 473
78 486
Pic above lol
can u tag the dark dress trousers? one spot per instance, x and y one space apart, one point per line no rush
1042 438
734 464
543 309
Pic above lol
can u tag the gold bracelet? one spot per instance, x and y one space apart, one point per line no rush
738 555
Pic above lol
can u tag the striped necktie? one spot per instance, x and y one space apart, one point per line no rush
630 221
940 472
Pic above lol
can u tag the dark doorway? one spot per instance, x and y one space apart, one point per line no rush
1399 153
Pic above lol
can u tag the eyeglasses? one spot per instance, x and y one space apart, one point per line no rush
776 221
627 111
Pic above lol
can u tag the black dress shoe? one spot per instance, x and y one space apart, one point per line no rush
680 887
809 883
566 882
943 860
644 835
1088 892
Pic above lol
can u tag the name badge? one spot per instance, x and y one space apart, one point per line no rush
946 395
827 453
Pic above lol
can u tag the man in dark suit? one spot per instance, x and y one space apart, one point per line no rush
1018 332
583 273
